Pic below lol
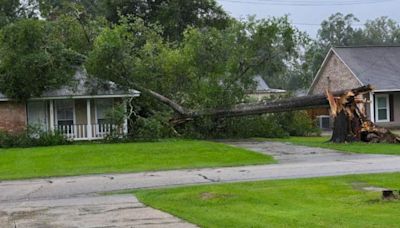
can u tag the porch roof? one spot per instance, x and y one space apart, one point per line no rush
84 87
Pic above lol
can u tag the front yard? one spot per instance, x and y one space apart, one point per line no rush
82 159
318 202
356 147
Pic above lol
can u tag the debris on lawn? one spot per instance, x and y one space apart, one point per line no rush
390 195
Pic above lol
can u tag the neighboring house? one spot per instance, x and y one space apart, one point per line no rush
263 91
351 67
78 111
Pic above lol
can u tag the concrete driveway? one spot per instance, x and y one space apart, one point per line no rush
286 153
86 211
54 201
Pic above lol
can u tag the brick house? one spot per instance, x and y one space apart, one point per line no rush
350 67
79 111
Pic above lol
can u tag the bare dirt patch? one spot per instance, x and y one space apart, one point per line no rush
211 195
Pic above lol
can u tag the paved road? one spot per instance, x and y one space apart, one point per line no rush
300 166
296 162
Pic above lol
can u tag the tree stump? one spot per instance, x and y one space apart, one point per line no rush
388 195
351 122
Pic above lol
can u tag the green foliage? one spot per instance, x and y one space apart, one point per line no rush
124 53
116 115
338 30
76 34
153 127
13 10
382 30
314 202
31 137
297 123
53 9
8 12
210 68
32 61
175 16
267 126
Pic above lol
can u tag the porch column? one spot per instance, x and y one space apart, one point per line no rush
372 106
51 119
89 120
125 127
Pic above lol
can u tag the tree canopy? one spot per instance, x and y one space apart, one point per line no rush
209 68
189 51
33 60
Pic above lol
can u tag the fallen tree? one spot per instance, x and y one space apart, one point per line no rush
346 106
292 104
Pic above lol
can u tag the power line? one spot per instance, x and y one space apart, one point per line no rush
315 24
308 3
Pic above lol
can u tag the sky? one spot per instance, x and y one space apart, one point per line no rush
308 14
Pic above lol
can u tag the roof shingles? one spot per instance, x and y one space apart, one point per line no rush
83 86
375 65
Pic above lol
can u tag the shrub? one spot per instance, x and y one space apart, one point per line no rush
154 127
298 124
268 126
32 136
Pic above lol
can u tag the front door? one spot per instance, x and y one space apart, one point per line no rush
37 115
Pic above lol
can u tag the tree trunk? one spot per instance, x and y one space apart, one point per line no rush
340 128
292 104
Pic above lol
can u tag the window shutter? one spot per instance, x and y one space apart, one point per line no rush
391 107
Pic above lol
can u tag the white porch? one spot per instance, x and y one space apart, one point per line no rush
76 119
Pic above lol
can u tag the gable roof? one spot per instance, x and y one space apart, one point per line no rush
84 87
375 65
262 86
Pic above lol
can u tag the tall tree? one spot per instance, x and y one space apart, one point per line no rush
382 30
210 68
173 15
338 30
52 9
32 60
11 10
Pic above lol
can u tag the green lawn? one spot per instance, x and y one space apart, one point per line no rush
118 158
357 147
318 202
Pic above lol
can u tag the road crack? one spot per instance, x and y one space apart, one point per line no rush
206 178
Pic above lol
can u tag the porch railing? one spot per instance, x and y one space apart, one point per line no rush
80 131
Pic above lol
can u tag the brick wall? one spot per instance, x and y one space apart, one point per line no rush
12 116
335 76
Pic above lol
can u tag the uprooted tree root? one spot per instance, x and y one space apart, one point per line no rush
351 122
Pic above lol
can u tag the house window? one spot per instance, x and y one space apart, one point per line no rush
37 114
382 108
65 112
103 107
